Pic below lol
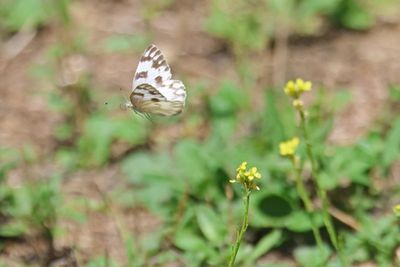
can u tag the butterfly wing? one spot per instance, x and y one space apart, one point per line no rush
153 89
173 90
152 68
175 95
147 99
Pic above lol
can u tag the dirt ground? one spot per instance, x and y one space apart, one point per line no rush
364 63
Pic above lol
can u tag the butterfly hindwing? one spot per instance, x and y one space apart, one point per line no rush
145 98
173 90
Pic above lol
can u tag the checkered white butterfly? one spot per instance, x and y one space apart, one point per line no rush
153 90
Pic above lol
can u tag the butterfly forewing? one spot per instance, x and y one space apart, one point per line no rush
152 68
153 89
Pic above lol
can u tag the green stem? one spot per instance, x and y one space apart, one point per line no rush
243 228
307 203
320 191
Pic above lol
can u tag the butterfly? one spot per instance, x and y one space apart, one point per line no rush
153 89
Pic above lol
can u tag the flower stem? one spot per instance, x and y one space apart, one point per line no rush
243 228
320 191
307 203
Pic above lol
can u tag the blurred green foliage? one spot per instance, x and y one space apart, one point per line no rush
30 14
251 25
100 131
240 22
32 206
120 43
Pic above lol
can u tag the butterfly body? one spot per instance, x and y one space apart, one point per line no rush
153 90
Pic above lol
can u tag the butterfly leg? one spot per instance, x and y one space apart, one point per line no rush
147 116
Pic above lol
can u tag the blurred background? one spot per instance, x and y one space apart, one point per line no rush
83 183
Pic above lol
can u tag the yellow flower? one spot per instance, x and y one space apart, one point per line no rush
295 88
303 86
246 176
253 174
298 104
290 88
396 210
289 147
242 166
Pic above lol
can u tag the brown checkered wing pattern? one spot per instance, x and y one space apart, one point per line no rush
153 90
152 68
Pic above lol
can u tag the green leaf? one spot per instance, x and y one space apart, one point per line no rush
23 13
299 221
270 209
269 241
9 157
101 261
100 132
192 161
354 15
228 100
63 131
134 259
188 241
223 129
13 229
133 130
148 168
69 158
22 202
394 93
94 145
311 256
166 258
211 225
74 210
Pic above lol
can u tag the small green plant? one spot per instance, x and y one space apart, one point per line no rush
32 207
247 178
240 23
294 90
94 146
288 149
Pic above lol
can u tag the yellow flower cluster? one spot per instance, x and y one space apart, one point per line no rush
246 176
294 89
288 148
